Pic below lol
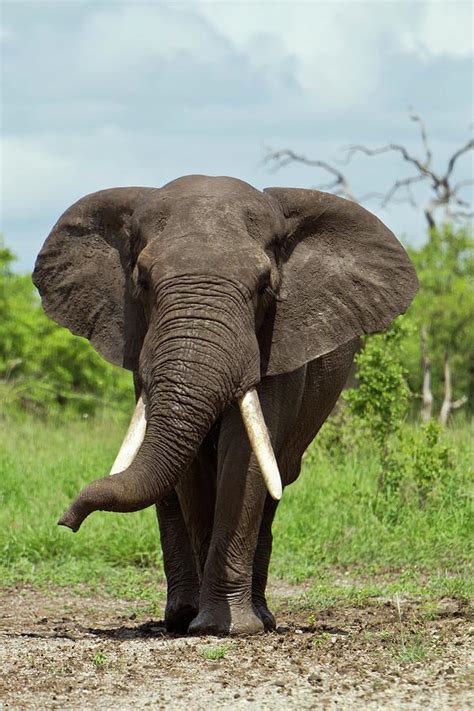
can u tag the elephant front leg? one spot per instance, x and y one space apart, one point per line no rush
182 579
225 604
261 563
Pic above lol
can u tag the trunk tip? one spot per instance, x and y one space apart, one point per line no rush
69 522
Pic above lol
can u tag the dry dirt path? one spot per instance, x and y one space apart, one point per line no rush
60 651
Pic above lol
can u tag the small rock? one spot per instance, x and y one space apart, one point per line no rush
279 683
133 616
449 670
315 678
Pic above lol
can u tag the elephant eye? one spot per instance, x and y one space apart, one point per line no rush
263 282
142 283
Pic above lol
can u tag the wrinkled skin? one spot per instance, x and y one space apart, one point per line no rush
206 288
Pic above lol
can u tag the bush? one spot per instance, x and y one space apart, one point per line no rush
43 367
413 465
380 402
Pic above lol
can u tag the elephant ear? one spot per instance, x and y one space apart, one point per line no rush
343 274
83 274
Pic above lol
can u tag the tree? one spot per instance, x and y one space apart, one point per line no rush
443 314
446 194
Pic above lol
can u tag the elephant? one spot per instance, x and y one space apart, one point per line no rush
239 312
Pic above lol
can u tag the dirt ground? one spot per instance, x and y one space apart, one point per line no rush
61 651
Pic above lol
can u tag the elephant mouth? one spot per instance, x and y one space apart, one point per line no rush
257 432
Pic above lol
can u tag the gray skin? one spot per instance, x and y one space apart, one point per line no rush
205 288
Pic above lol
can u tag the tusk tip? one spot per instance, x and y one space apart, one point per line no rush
276 494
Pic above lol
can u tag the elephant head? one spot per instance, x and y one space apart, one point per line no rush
202 288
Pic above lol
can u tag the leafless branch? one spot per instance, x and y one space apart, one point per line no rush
468 147
340 184
444 195
424 137
405 183
390 147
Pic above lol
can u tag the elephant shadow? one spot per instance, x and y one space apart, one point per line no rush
152 628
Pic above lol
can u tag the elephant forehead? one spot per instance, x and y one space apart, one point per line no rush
207 185
204 252
212 214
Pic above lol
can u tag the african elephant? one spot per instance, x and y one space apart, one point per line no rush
226 302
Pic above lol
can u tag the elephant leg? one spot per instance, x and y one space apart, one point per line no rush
186 518
197 496
260 565
225 604
226 599
181 575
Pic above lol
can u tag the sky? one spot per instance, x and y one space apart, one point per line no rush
121 92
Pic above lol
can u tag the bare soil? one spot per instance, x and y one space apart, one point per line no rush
62 651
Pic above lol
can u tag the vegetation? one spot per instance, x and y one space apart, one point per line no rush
340 514
441 318
43 367
214 653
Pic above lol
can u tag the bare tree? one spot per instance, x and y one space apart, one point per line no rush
445 193
449 405
426 394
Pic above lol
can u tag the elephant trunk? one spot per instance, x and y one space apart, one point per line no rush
194 363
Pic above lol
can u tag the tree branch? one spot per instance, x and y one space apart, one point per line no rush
467 147
285 156
443 194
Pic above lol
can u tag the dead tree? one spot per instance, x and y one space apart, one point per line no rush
445 192
426 394
449 405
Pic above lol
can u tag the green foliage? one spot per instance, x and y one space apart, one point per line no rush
445 306
412 465
418 466
379 402
43 367
214 653
100 660
335 514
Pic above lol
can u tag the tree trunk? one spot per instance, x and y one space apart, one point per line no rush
449 405
426 395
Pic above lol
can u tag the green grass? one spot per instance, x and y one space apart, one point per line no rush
214 653
331 520
99 660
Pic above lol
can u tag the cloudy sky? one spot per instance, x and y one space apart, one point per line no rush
121 92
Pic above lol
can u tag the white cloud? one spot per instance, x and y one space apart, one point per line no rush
446 28
337 47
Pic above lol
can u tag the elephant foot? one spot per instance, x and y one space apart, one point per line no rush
266 616
179 613
224 620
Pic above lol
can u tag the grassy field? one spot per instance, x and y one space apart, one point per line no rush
334 521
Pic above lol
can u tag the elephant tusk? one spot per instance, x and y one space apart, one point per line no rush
257 432
132 440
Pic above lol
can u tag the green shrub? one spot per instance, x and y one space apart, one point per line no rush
379 403
43 367
411 465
